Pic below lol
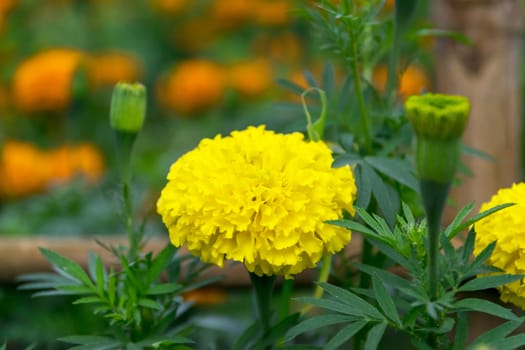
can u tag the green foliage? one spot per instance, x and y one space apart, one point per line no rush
141 311
405 304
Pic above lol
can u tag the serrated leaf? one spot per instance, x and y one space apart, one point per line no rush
317 322
479 260
487 282
352 300
374 336
344 335
485 306
385 301
68 266
354 226
164 288
396 169
458 219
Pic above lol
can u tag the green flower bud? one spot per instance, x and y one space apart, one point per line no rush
128 107
438 121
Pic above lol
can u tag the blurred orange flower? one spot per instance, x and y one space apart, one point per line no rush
272 12
286 47
169 7
251 78
205 296
192 86
43 81
413 80
229 13
69 161
111 67
23 170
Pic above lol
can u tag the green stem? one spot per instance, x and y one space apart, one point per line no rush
263 289
434 197
365 120
326 266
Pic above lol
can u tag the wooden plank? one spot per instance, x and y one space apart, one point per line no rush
488 72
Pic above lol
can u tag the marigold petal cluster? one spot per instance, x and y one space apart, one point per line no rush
260 198
507 228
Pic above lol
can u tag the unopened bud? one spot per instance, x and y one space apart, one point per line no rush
128 107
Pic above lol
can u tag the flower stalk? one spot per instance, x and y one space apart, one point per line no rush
263 290
127 114
438 121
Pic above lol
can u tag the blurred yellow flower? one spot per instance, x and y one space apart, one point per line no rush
413 80
251 78
43 81
259 198
507 228
112 67
23 170
192 86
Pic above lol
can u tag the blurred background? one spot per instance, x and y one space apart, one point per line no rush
210 66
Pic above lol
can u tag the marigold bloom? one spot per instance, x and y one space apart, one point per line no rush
23 170
272 12
169 7
69 161
193 86
251 78
412 81
507 228
111 67
43 81
260 198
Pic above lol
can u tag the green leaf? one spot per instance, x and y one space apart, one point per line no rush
364 187
385 301
276 333
151 304
92 342
479 260
247 337
485 306
160 262
443 33
460 339
509 343
487 282
468 246
383 194
478 217
352 300
291 86
89 300
164 288
354 226
397 169
317 322
499 332
344 334
68 266
458 219
374 336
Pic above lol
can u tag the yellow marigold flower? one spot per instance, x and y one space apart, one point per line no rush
260 198
23 170
507 228
112 67
251 78
193 86
43 81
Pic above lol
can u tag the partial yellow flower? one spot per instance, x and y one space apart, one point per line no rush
42 83
259 198
507 228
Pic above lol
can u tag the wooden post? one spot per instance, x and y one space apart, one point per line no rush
488 72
